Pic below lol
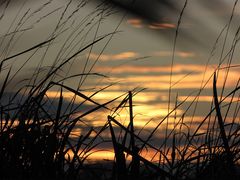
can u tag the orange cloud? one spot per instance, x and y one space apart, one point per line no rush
132 54
206 98
192 81
180 79
162 26
178 68
113 57
181 54
137 23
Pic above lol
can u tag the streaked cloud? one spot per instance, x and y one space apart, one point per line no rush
192 81
206 98
131 54
140 23
161 26
181 54
137 23
114 57
178 68
183 76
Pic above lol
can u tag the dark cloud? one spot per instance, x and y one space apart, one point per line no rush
157 9
153 10
195 17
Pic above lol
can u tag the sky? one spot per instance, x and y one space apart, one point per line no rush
139 55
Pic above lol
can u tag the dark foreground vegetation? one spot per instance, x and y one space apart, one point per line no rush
36 132
34 145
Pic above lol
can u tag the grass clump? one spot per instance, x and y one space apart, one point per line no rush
37 133
40 136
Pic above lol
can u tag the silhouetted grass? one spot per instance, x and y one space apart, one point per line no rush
37 138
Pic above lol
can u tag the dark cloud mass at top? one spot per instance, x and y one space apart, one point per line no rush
209 16
153 10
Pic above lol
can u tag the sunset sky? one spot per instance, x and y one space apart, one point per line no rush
138 56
